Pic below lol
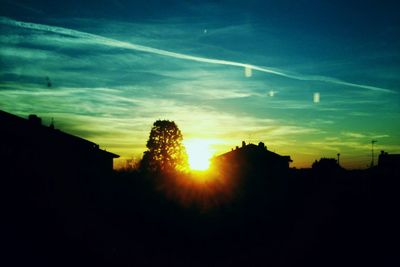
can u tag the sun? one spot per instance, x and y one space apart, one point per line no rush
199 153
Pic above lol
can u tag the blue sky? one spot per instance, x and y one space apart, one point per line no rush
224 71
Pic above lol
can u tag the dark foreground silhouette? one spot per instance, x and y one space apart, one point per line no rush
128 219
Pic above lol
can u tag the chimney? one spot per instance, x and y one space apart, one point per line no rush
35 120
52 124
261 145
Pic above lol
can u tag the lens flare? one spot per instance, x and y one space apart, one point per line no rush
316 97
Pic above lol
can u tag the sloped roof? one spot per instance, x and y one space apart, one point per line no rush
26 129
254 150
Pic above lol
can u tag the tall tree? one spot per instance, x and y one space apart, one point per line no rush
165 150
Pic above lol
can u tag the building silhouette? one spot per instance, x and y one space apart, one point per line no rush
326 165
29 147
256 156
389 162
257 174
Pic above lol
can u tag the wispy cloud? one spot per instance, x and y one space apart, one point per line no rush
354 135
131 46
82 111
357 135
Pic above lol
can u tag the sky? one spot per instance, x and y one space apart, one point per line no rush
310 79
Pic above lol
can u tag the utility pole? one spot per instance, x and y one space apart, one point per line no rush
372 152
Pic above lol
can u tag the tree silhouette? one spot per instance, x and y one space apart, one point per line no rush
165 150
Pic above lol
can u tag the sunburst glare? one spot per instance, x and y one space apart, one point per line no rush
199 152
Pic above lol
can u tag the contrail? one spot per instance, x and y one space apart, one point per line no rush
127 45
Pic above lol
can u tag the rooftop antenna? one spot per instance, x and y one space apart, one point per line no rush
372 152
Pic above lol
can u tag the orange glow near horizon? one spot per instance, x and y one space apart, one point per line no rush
203 189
